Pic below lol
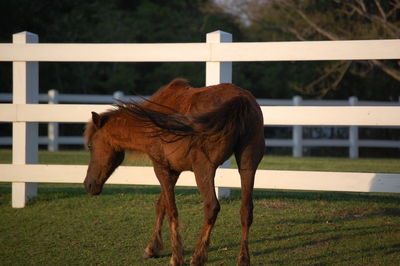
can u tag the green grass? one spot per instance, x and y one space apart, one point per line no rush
64 226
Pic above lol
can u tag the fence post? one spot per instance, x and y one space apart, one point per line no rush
25 135
297 134
118 95
216 73
353 133
52 130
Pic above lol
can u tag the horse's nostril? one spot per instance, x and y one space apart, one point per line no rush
92 187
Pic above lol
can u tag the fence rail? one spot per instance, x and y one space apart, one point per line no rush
204 52
54 97
24 112
267 179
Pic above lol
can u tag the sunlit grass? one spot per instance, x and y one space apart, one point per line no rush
64 226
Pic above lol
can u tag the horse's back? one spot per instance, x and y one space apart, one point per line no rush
188 100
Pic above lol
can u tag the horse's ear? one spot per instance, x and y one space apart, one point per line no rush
98 120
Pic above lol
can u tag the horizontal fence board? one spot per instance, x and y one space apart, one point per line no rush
5 140
265 179
328 181
100 52
203 52
49 112
104 99
279 142
333 116
77 140
273 115
326 142
307 50
62 140
379 143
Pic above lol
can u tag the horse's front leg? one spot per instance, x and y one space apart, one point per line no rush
205 183
156 244
168 180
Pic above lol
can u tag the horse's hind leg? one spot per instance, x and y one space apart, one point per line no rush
205 182
246 214
248 159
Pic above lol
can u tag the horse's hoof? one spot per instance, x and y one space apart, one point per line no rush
175 263
196 263
243 262
148 256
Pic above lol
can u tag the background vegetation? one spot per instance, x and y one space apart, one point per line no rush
145 21
148 21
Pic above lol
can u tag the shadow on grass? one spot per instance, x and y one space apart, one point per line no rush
391 212
345 258
340 234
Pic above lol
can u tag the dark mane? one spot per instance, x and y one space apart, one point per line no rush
161 119
169 121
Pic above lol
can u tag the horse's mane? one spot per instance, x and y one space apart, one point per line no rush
162 121
229 118
165 120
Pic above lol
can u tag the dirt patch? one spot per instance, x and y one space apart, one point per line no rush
275 204
358 213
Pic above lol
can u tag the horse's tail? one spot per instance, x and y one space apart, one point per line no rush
234 117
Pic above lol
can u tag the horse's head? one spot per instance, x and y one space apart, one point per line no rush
104 157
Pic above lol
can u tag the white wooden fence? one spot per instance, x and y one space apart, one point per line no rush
217 52
297 141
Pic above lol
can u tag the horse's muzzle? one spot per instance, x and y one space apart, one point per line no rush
92 187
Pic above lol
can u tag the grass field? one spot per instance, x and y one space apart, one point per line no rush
64 226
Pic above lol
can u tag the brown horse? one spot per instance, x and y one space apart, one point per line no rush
183 129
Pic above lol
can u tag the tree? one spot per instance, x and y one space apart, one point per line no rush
277 20
113 21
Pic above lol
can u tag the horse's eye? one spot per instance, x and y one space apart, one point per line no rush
89 146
